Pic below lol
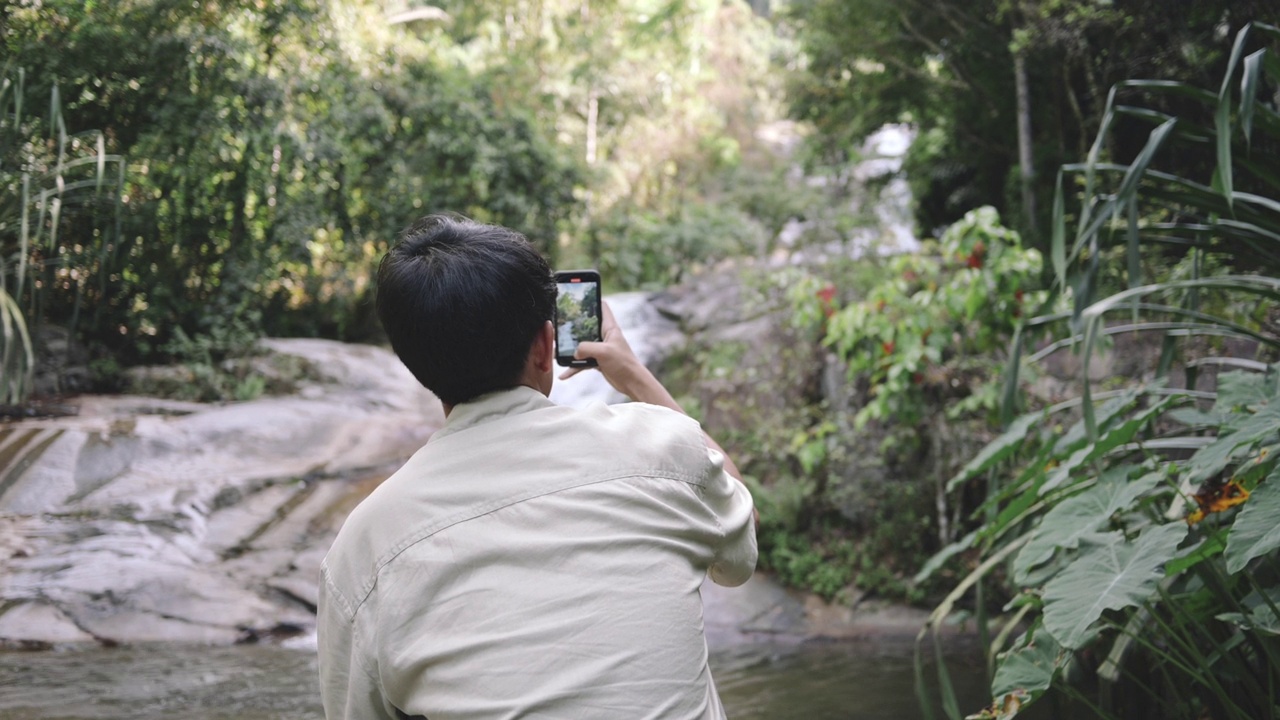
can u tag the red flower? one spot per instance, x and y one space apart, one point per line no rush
827 295
975 258
880 305
887 347
1017 294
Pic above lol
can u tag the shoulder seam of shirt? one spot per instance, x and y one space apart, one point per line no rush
348 611
480 509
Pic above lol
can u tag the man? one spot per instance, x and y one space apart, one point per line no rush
531 560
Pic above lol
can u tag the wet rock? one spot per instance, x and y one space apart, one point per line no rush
40 624
141 519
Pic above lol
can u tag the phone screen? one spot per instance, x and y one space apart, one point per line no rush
578 315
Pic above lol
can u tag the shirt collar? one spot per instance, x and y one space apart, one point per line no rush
492 406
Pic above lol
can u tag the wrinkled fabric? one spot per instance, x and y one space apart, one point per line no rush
535 561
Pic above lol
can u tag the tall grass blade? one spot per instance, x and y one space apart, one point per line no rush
1095 150
1058 241
1009 395
1222 120
1253 66
18 365
1087 409
1262 285
1136 170
24 233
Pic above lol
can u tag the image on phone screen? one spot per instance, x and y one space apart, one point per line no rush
578 314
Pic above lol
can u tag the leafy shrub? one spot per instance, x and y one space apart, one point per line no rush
59 211
933 321
642 248
1140 543
266 171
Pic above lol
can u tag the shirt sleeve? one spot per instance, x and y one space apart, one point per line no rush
730 502
347 690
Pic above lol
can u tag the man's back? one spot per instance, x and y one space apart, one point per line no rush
535 561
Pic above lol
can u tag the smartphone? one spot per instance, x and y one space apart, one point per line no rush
578 315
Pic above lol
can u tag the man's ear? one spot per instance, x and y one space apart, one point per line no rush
544 348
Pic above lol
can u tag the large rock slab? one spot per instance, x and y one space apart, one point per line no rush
148 520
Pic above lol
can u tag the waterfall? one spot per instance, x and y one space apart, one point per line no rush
651 335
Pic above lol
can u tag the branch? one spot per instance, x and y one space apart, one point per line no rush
966 82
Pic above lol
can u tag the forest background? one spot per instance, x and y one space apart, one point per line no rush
182 178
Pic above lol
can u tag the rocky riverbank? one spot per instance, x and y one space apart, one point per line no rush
140 519
146 520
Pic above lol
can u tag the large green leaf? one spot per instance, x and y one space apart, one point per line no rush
1110 438
1082 515
1256 530
1260 612
1212 545
942 556
1213 458
1026 671
1109 574
1245 390
998 449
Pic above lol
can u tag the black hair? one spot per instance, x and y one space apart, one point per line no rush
462 302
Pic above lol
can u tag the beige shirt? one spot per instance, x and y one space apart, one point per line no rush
535 561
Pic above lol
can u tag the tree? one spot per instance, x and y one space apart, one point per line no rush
950 69
274 150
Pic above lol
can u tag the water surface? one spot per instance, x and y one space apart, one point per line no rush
810 681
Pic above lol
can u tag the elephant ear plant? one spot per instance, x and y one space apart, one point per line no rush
1136 526
47 177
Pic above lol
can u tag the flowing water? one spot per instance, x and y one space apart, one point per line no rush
810 681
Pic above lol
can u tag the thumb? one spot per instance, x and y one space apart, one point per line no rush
571 372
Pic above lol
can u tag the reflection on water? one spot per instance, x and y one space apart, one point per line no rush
853 681
244 682
870 680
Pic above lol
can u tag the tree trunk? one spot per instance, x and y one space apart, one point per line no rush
1026 163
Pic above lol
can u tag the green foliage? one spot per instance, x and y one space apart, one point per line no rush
581 313
935 320
59 212
826 526
16 357
1255 532
274 151
1143 535
641 248
949 69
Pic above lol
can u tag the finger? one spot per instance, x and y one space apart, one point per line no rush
608 325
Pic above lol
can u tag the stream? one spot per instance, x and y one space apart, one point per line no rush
863 680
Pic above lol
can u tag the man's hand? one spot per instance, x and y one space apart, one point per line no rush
628 375
621 368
